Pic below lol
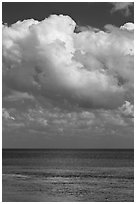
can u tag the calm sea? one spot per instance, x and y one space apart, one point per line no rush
68 175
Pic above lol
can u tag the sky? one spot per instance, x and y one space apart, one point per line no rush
68 75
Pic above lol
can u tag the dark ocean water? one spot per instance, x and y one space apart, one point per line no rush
68 175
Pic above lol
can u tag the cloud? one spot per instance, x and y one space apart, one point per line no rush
6 115
127 109
124 7
128 26
16 96
53 121
89 69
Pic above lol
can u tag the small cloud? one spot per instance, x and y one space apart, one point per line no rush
128 26
16 125
6 114
127 109
124 7
16 95
42 121
79 29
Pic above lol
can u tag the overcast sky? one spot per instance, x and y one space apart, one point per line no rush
68 75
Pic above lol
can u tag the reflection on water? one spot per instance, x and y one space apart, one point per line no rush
68 175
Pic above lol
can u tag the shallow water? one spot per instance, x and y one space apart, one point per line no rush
68 175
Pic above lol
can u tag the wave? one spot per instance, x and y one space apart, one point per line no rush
63 175
16 175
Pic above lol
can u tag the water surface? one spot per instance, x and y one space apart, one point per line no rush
68 175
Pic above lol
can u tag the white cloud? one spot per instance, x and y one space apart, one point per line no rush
127 109
128 26
6 114
89 69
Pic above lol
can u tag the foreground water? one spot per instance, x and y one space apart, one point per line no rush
68 175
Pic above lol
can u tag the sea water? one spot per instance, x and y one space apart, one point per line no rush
51 175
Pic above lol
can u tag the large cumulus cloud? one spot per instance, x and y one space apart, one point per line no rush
91 68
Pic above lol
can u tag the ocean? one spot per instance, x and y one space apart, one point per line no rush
58 175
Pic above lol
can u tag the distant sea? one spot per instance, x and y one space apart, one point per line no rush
58 175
